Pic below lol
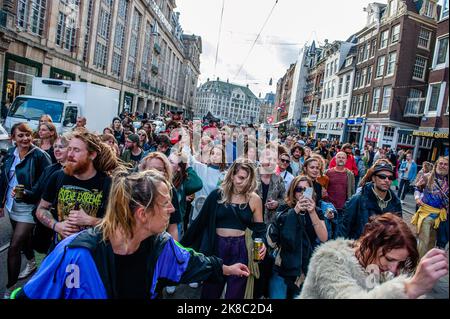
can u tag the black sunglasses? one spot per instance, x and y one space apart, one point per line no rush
382 176
285 160
299 189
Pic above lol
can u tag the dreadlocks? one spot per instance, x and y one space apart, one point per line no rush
105 161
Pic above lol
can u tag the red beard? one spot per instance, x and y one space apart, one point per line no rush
77 168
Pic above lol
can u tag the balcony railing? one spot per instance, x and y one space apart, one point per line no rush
415 107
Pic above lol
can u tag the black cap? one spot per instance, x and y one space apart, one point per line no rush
383 167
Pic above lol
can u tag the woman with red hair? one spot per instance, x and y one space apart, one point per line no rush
382 264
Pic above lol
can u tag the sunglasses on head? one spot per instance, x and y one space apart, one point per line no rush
299 189
383 177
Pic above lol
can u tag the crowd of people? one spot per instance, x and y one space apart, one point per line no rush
140 211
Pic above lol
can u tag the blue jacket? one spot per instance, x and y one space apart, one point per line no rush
412 172
361 207
82 267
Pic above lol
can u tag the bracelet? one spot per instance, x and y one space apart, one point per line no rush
53 228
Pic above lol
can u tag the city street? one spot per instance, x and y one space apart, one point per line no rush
440 291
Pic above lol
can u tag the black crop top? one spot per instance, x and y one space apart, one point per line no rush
240 219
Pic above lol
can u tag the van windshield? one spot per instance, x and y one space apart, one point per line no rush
32 109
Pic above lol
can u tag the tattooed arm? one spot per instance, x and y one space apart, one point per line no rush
44 215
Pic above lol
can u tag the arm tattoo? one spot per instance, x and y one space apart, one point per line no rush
46 217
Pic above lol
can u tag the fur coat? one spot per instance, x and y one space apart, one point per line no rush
335 273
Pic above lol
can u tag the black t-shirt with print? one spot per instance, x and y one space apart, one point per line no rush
135 159
67 190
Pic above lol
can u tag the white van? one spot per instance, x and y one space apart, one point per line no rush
64 101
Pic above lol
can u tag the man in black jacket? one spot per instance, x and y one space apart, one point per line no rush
375 198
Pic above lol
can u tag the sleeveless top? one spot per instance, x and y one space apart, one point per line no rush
234 216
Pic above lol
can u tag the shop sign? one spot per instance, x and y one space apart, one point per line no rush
430 134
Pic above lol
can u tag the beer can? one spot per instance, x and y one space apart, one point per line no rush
257 244
19 189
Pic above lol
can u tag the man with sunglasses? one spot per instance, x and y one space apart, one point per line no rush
284 161
375 198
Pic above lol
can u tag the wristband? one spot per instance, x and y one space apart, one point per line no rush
53 228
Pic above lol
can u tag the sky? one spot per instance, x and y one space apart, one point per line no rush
292 24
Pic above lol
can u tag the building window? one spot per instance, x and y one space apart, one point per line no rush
428 8
363 78
341 82
369 75
357 79
123 8
441 54
391 63
365 104
376 99
31 15
353 106
119 35
395 36
380 66
338 109
360 105
100 55
60 28
387 90
104 22
347 84
37 16
393 7
434 92
373 47
389 132
384 39
419 68
22 14
116 63
424 38
344 108
444 12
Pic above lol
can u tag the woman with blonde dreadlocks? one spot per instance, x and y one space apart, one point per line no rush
76 196
129 255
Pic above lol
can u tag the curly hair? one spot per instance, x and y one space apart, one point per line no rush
387 232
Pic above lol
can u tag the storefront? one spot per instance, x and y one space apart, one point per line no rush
432 144
19 76
59 74
336 130
372 135
405 140
322 130
354 130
